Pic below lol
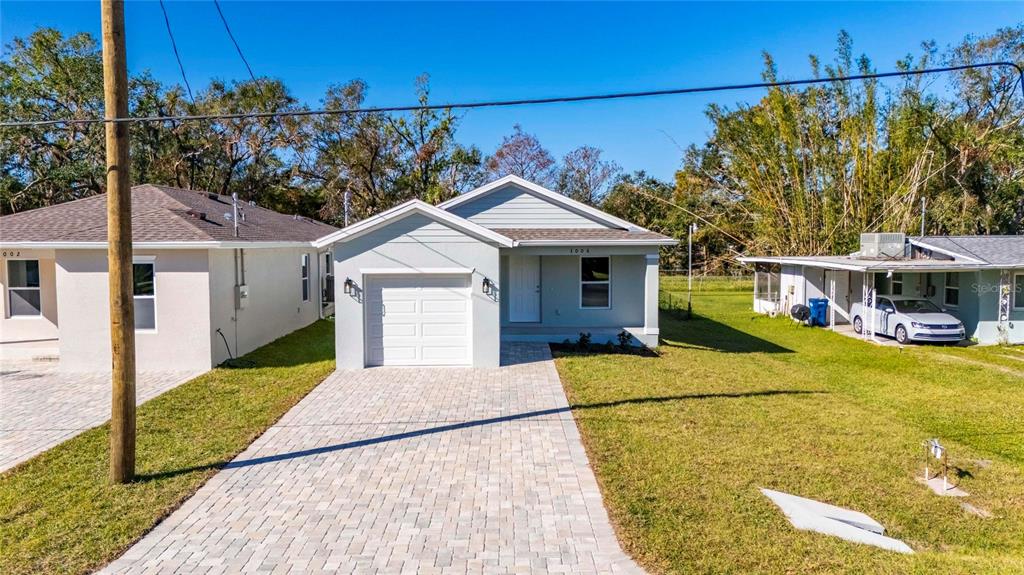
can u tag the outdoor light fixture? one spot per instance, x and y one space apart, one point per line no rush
349 284
488 285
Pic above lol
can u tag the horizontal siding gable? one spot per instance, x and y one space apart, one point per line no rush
513 207
416 229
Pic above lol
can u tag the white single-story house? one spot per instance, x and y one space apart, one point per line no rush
978 279
509 261
209 284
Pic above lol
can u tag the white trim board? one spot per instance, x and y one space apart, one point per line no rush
944 251
415 271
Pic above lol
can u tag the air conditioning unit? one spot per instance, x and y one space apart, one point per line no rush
882 245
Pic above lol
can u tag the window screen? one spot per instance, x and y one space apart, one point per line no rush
23 295
595 282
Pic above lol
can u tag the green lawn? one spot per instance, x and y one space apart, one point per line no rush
59 515
682 442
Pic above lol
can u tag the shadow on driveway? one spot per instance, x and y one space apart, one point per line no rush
469 424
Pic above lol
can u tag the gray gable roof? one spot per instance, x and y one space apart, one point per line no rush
995 250
160 214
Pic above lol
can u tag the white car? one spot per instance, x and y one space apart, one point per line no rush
908 319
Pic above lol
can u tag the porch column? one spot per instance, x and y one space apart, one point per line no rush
651 300
1003 302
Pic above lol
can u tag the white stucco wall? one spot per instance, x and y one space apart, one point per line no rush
415 242
30 329
180 341
274 307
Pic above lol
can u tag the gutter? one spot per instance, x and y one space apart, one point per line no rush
551 243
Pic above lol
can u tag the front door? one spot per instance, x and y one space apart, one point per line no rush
524 289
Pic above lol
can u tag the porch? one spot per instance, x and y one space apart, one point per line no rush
554 294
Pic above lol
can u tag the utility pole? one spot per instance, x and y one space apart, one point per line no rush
347 200
119 241
924 203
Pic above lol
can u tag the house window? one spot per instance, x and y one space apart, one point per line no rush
328 287
952 291
144 295
23 295
1018 291
305 277
595 282
897 284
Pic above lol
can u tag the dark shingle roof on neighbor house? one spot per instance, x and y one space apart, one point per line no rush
995 250
580 234
160 214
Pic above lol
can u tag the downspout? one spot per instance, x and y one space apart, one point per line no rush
239 266
234 300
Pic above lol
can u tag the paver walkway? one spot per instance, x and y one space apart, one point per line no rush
41 407
391 470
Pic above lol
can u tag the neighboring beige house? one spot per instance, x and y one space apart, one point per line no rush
208 284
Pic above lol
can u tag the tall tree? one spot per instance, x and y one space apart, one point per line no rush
806 170
521 154
584 176
48 77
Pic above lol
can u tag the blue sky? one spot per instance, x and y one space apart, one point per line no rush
491 50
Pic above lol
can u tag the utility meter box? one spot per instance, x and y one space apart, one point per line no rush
241 296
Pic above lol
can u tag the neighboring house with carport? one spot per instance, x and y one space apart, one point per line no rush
978 279
509 261
207 283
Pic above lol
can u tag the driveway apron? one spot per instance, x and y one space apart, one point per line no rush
403 470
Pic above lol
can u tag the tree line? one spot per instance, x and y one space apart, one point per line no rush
303 165
804 170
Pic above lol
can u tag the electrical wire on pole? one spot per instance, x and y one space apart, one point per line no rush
520 102
177 56
227 29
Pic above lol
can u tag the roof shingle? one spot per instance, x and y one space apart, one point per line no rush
996 250
161 214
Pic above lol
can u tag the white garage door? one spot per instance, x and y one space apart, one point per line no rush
418 320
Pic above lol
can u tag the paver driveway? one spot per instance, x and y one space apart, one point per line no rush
392 470
41 406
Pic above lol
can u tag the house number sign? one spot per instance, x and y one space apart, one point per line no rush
579 250
11 254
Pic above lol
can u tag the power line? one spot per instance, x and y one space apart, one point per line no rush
237 47
174 46
522 102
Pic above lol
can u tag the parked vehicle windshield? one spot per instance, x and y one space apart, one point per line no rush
916 306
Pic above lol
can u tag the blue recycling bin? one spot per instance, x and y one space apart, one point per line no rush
819 311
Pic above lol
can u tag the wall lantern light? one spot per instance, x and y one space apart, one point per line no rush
488 286
349 285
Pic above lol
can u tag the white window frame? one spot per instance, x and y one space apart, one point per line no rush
1017 277
9 309
607 282
897 279
304 272
328 275
946 287
148 260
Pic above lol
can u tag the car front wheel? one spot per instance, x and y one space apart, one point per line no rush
858 325
901 334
